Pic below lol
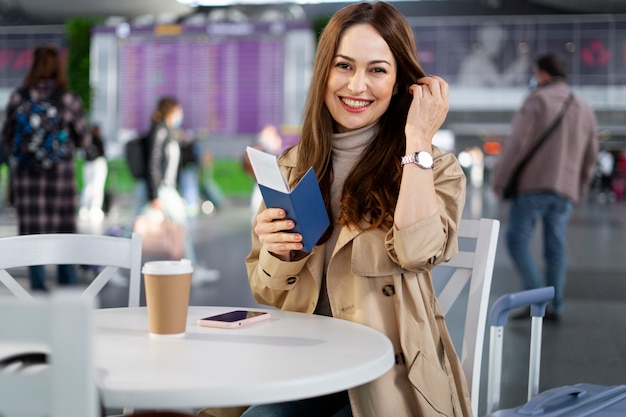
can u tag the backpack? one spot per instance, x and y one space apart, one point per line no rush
39 140
135 151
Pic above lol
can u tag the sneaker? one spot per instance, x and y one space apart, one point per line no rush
203 276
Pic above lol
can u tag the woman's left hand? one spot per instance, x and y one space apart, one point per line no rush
428 110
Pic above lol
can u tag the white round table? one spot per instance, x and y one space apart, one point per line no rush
292 356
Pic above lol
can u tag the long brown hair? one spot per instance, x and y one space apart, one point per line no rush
47 65
371 189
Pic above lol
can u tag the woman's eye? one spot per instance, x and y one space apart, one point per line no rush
379 70
343 65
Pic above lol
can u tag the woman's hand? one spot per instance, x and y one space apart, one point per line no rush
427 113
273 231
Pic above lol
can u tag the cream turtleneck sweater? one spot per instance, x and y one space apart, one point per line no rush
346 151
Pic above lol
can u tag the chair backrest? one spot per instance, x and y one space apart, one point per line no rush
109 252
61 326
465 289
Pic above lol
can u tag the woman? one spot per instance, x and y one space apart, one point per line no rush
43 180
164 153
394 217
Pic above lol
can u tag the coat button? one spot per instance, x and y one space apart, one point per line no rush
389 290
291 280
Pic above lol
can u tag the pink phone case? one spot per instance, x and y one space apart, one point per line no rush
206 322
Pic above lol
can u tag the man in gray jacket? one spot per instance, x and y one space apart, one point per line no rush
555 178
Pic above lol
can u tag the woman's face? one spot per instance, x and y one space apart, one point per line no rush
361 79
175 118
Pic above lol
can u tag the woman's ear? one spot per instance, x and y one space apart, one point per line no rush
395 90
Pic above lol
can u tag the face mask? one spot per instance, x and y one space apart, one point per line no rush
178 121
532 84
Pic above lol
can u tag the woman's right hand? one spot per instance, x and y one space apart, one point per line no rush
273 231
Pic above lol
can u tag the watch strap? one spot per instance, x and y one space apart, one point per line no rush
413 158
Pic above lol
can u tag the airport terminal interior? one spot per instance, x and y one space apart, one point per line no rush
588 344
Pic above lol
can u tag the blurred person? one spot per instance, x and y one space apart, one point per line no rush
164 153
44 126
210 190
395 202
188 172
558 175
604 171
618 180
95 171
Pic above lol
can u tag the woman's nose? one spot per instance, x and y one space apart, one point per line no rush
357 83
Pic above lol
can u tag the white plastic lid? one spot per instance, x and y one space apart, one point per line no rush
168 267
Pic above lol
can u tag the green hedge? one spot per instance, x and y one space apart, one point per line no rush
227 173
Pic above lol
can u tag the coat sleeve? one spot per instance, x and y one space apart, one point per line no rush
434 239
77 120
272 280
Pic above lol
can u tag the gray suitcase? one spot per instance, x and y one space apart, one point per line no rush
572 400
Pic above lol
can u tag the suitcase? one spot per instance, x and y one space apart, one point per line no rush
577 400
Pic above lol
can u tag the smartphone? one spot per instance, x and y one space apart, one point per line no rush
233 319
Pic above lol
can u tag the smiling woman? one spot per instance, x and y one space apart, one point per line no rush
369 122
360 86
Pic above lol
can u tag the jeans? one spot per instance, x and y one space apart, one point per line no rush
66 275
554 213
333 405
189 186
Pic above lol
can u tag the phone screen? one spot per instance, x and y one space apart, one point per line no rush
233 316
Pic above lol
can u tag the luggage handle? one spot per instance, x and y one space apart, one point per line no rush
537 405
536 298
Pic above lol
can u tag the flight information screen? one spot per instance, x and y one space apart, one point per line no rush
225 84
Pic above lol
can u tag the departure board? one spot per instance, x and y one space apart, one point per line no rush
227 85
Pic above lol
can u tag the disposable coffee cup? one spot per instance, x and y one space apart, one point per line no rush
167 284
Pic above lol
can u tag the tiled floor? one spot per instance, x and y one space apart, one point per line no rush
588 345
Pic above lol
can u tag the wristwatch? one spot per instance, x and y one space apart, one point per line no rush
421 158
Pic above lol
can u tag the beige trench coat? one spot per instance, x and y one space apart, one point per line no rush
382 279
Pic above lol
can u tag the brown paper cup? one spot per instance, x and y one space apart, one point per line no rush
168 284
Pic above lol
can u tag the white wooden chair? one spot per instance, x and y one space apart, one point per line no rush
72 248
62 327
463 285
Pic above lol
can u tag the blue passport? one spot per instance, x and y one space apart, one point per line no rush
304 205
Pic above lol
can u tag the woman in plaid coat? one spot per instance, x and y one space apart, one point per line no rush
43 190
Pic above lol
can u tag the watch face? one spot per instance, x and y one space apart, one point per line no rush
425 159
